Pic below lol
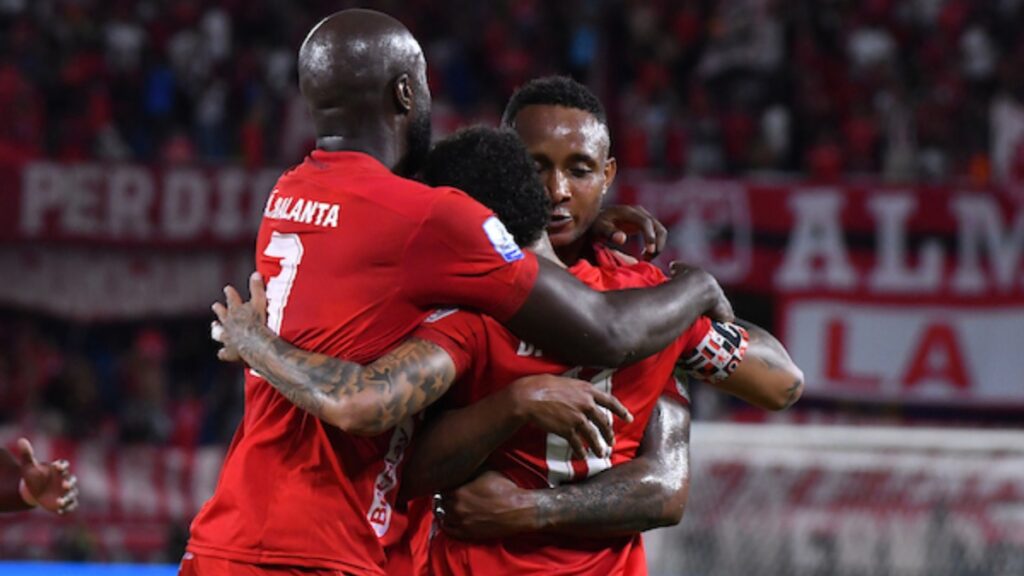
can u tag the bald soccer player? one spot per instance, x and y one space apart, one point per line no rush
356 256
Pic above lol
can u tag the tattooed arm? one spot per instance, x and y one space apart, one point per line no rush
647 492
766 377
362 400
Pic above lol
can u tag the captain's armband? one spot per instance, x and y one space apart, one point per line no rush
718 354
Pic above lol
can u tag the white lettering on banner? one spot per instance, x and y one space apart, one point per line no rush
891 273
907 352
81 201
89 284
131 195
134 202
185 200
980 221
817 237
41 190
229 221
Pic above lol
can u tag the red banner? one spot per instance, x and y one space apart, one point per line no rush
131 204
893 242
881 293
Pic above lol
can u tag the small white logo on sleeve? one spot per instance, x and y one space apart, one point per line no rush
502 241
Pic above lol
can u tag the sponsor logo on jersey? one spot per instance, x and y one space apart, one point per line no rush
502 241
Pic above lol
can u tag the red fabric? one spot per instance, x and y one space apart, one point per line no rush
488 357
296 491
192 565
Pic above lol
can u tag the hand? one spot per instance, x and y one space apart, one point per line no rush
491 506
718 308
569 408
617 223
238 319
50 485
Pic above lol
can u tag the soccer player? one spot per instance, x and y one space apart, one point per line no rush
27 483
356 257
492 165
563 125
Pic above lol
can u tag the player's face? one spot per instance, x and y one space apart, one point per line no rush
570 149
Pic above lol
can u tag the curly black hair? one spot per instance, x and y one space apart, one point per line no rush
492 166
553 91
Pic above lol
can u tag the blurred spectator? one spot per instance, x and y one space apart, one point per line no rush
905 90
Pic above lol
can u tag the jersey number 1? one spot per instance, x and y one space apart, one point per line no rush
287 247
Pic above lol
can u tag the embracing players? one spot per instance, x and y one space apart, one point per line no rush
494 168
356 258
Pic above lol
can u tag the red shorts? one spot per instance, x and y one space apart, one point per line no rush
192 565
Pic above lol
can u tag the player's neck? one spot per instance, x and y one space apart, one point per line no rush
571 253
384 154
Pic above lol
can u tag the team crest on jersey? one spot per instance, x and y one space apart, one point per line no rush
503 242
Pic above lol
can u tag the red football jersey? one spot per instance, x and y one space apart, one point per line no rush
489 357
355 259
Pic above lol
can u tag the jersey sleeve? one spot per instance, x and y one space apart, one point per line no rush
462 255
459 333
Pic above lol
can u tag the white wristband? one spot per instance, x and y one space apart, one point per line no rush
26 495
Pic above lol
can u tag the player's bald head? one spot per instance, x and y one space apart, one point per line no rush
364 78
353 54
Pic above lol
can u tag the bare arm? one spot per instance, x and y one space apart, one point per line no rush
362 400
766 377
454 444
367 400
581 326
645 493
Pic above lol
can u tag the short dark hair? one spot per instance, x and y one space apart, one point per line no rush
493 166
553 91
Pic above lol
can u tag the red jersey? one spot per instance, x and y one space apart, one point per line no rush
355 259
489 357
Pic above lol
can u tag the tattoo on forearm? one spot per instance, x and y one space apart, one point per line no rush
402 384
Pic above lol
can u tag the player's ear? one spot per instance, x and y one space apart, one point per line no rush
611 168
403 93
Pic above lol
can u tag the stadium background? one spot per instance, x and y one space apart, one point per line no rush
852 171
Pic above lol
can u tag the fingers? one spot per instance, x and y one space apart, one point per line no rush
258 293
232 296
221 311
217 331
26 455
650 237
594 429
579 450
612 403
660 239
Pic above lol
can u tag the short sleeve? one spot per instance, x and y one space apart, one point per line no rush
462 255
459 333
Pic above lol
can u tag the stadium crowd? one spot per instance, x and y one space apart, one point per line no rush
920 90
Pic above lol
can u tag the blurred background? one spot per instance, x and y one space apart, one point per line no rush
852 172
